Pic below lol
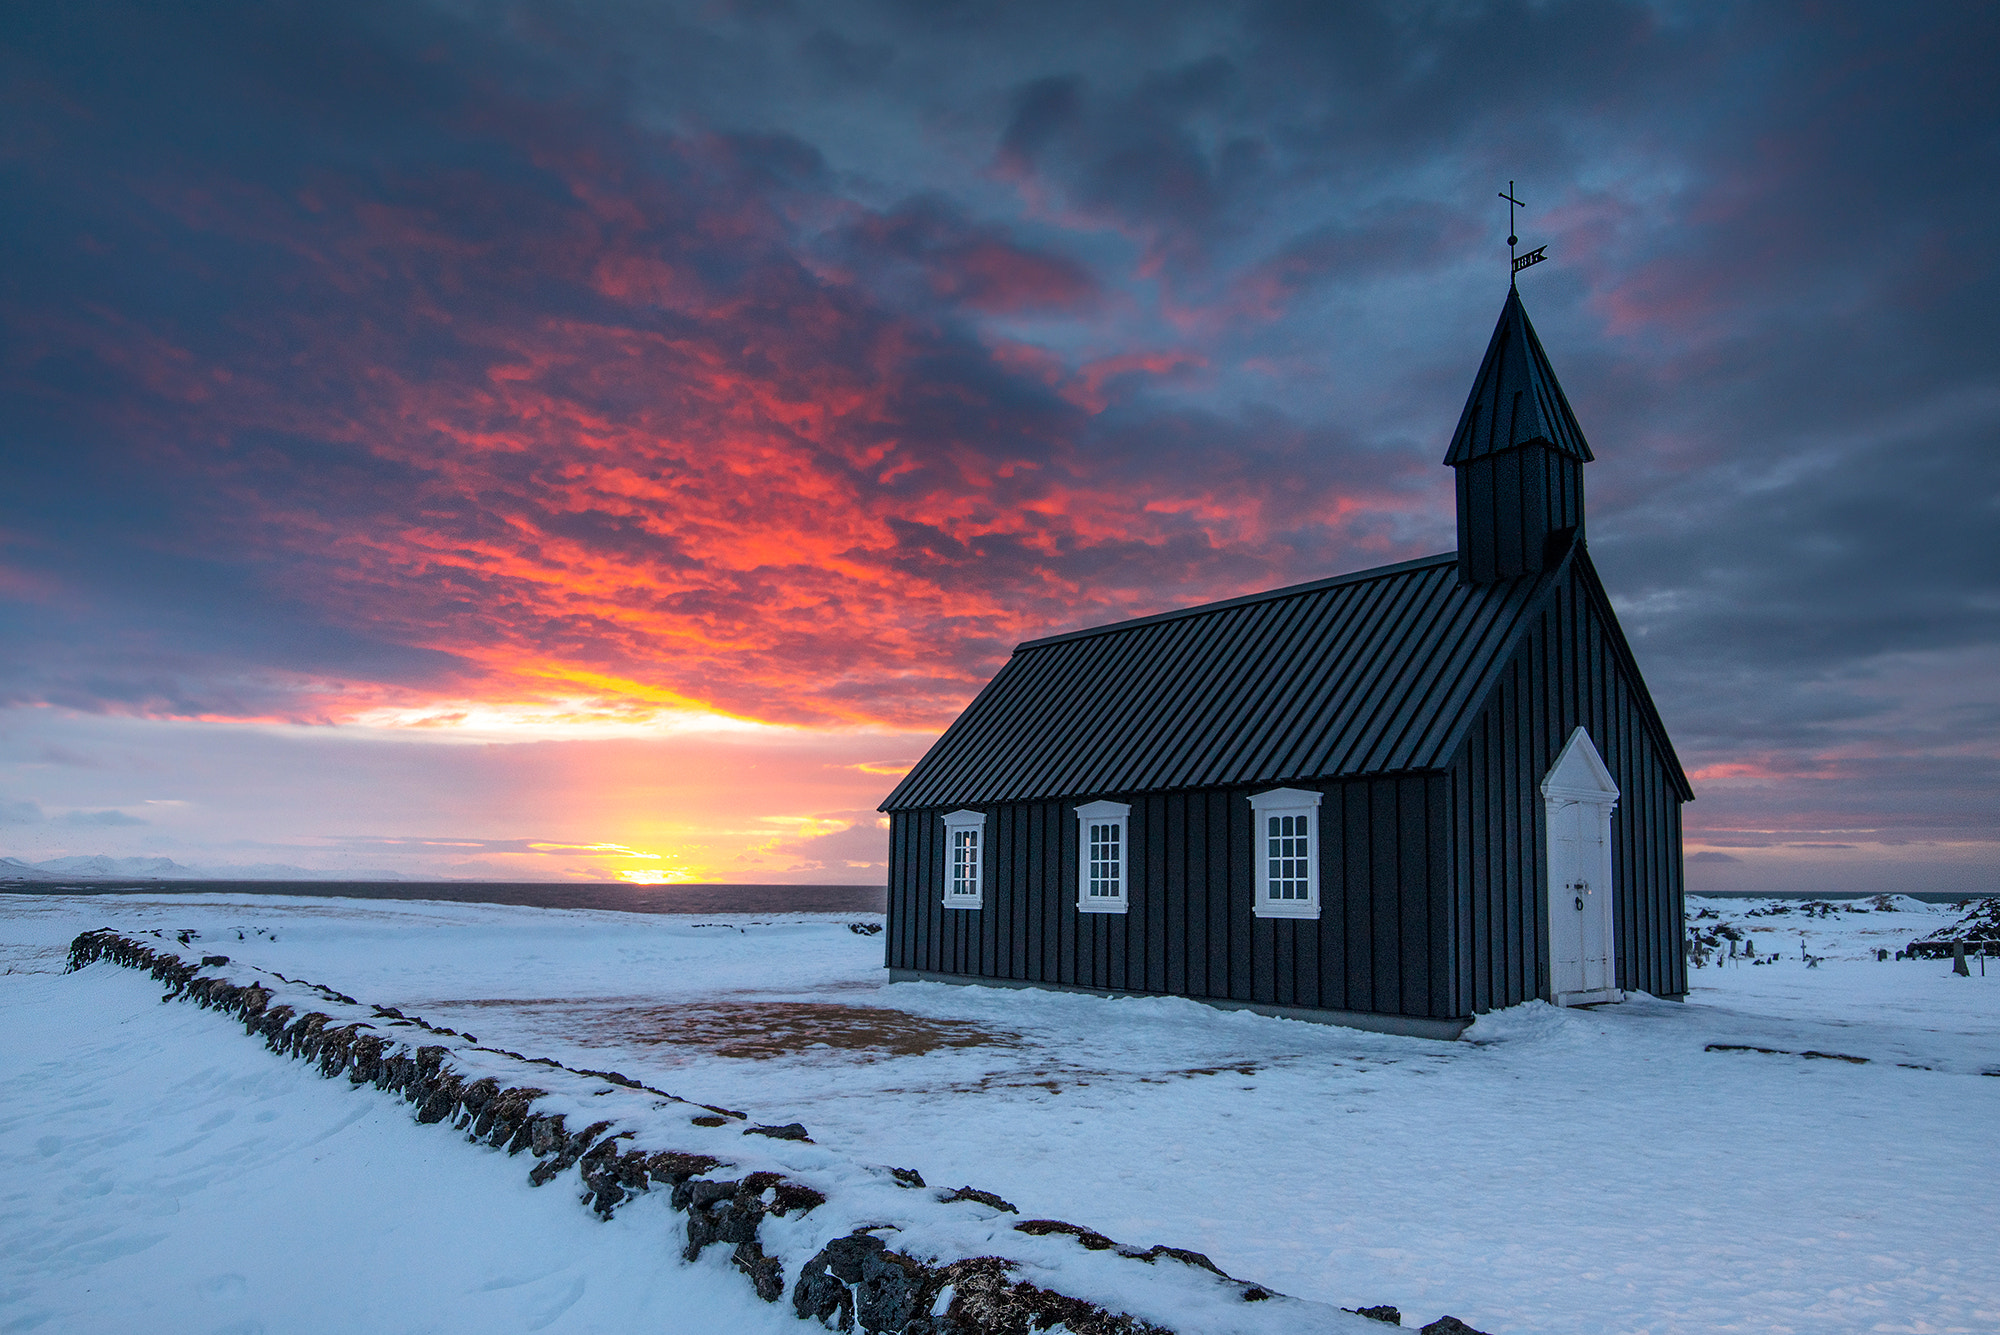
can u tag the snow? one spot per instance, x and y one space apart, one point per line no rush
159 1172
1588 1171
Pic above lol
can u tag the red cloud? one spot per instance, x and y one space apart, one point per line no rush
609 431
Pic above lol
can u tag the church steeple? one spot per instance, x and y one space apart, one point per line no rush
1519 455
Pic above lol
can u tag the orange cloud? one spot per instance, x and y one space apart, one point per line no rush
640 456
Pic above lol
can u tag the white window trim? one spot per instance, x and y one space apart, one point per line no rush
1103 813
1285 802
974 821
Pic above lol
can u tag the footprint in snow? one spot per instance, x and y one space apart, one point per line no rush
559 1306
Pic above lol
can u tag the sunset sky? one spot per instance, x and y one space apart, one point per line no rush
613 439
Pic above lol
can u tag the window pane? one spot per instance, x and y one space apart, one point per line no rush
1105 873
1288 854
965 862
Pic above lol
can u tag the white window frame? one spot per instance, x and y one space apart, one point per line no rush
1118 816
1276 803
974 824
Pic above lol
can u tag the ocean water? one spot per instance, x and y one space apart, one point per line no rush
701 898
536 894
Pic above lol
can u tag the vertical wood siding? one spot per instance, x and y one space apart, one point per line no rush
1566 674
1383 941
1508 505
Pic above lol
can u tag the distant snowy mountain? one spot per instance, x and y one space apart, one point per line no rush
98 867
13 869
77 869
285 871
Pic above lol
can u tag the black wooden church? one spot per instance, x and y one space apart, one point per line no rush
1394 799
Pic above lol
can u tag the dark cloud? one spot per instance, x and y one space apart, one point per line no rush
959 262
1397 236
797 362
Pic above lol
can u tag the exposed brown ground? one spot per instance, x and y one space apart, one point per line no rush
760 1030
763 1029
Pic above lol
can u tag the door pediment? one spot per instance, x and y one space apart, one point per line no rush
1579 774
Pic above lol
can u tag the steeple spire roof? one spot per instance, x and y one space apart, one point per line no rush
1516 399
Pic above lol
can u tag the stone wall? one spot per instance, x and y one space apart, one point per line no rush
614 1138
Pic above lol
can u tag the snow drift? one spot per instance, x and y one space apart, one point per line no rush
959 1265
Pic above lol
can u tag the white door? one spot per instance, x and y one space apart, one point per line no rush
1579 798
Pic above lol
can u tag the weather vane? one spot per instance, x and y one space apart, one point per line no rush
1535 256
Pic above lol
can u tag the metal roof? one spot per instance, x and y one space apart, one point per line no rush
1515 399
1365 673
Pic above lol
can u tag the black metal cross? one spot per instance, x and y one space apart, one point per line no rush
1535 256
1512 204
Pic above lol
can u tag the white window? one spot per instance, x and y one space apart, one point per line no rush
1287 853
964 854
1104 857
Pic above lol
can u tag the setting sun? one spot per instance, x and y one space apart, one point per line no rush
653 876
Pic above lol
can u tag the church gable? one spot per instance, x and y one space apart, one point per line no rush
1571 669
1571 646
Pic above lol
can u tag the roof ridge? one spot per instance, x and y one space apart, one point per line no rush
1243 600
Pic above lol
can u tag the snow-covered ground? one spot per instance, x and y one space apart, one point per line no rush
1586 1171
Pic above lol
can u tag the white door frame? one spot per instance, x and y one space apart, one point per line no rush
1578 901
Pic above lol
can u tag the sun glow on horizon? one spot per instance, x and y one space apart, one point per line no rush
655 876
568 719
